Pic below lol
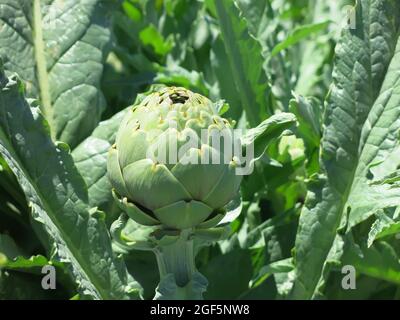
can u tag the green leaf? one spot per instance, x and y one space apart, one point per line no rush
248 74
264 25
381 260
26 286
150 36
223 73
142 265
266 131
222 107
24 263
361 129
366 288
281 266
11 257
57 196
260 19
385 225
90 158
57 48
178 76
228 285
8 249
299 34
309 115
313 68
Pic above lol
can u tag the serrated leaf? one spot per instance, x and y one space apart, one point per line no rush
248 74
26 263
383 226
57 197
361 125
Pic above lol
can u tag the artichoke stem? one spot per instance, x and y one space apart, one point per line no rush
177 258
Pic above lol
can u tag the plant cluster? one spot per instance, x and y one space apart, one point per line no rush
111 175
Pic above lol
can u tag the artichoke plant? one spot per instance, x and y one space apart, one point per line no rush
174 173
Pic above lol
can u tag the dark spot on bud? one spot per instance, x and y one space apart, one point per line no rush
178 97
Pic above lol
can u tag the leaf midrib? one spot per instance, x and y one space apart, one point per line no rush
74 253
41 63
64 237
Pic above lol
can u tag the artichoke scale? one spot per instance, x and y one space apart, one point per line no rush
152 185
183 214
114 172
134 212
199 178
134 147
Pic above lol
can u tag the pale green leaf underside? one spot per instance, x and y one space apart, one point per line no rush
58 52
361 126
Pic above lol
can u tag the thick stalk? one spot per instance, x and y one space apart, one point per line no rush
178 259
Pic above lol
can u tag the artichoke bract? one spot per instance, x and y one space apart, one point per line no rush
172 162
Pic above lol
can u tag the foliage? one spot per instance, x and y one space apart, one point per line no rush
324 194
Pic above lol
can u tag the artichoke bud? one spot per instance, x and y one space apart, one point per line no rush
173 161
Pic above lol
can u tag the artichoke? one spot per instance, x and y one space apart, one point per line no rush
176 167
162 166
